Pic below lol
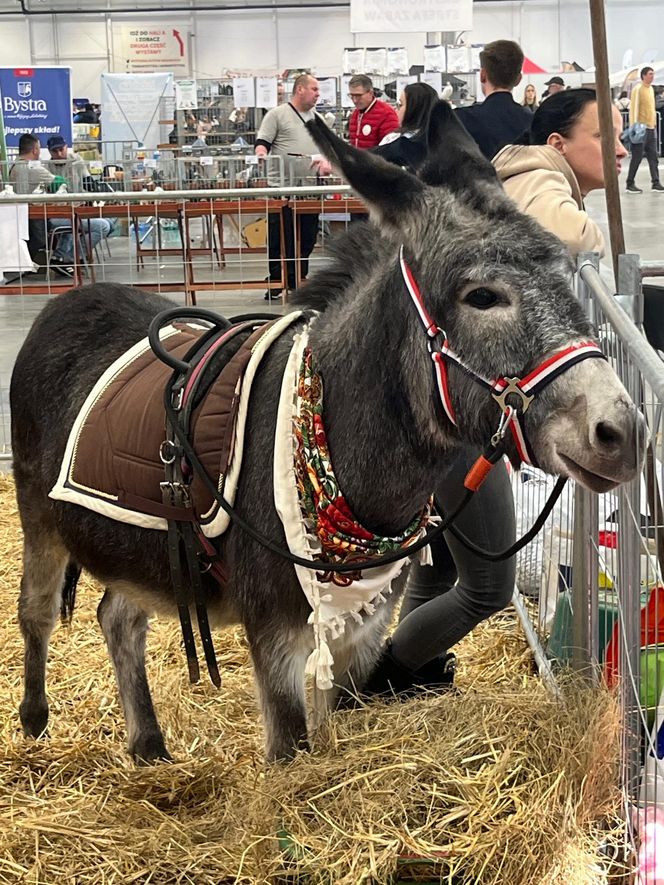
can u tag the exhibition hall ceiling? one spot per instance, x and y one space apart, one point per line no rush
46 7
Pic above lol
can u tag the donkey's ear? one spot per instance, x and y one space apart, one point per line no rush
453 158
389 192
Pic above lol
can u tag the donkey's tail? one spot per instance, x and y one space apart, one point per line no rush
72 574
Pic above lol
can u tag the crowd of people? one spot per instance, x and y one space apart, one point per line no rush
495 122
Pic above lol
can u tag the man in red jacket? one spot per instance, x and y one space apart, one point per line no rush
372 119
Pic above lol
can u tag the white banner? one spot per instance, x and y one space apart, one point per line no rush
375 61
346 101
397 61
433 79
475 50
399 16
353 60
402 82
131 108
434 57
458 59
328 92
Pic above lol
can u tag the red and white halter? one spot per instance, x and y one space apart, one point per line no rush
524 388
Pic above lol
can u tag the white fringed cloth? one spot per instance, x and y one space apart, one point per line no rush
317 520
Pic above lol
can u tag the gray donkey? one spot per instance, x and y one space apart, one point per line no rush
494 280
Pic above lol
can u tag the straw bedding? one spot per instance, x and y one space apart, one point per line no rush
496 784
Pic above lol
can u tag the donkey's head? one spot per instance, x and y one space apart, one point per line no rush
500 287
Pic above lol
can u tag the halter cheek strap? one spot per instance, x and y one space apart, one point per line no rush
525 389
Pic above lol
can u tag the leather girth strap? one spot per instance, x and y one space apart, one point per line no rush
188 550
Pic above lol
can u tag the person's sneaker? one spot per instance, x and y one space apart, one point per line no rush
633 189
60 266
658 186
273 295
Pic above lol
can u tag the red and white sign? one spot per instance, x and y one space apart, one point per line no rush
149 47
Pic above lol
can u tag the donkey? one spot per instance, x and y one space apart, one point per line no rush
494 280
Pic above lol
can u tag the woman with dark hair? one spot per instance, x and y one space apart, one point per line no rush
407 147
557 163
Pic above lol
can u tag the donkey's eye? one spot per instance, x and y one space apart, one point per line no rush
482 298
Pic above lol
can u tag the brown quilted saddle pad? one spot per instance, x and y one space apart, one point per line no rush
112 463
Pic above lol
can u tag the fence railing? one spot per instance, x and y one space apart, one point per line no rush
590 587
135 169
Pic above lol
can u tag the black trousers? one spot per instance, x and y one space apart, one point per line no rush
36 236
306 240
648 147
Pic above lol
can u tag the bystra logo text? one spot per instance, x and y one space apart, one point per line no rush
16 106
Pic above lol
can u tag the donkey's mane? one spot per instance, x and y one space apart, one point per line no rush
347 266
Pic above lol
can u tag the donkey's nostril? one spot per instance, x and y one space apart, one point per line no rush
607 434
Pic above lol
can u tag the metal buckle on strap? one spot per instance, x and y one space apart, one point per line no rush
437 340
175 494
513 387
168 452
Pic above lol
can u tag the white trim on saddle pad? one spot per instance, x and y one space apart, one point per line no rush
66 489
222 520
332 605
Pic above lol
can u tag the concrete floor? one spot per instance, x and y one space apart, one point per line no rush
643 220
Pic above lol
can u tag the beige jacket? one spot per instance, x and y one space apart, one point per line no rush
542 184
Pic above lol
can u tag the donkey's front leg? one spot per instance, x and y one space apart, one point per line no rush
279 658
124 626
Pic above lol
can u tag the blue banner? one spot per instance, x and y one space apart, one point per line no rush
36 100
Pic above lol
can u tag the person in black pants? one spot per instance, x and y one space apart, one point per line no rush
284 133
642 110
302 226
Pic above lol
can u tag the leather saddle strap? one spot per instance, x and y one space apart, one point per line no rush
190 545
177 577
175 497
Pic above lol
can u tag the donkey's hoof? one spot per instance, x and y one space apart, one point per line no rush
287 752
149 749
34 718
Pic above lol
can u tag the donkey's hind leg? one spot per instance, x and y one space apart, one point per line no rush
124 626
44 562
279 661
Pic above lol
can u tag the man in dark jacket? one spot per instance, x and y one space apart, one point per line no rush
498 120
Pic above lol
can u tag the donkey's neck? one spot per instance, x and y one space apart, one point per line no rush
367 350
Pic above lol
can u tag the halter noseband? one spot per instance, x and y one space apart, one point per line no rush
525 388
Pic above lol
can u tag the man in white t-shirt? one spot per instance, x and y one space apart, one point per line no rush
283 133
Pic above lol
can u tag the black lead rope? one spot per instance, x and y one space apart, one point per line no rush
525 539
